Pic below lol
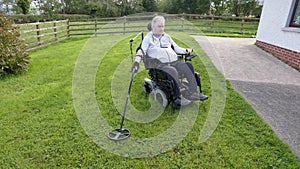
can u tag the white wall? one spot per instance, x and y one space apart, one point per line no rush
273 28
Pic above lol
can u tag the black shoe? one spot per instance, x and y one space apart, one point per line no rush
202 97
181 101
176 103
198 96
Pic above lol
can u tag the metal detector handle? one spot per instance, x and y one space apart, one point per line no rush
131 40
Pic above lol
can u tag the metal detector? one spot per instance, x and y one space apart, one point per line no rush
122 133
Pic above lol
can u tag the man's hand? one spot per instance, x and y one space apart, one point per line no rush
189 50
135 67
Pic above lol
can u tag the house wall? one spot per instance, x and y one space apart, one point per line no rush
275 36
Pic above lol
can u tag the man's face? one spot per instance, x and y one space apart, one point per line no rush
158 28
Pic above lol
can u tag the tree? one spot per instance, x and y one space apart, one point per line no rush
74 6
171 6
200 6
6 3
184 6
46 6
149 5
24 5
126 7
243 7
219 7
60 6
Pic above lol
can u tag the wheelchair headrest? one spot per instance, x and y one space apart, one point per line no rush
149 26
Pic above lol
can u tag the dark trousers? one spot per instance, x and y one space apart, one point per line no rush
183 70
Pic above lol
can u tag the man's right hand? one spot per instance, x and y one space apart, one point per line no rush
188 51
135 67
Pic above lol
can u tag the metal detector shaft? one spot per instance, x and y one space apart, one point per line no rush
127 97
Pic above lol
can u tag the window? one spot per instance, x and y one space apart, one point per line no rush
295 20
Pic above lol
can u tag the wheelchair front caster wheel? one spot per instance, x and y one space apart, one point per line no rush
161 97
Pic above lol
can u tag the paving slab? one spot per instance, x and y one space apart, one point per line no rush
269 85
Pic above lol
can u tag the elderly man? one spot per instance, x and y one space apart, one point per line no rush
159 45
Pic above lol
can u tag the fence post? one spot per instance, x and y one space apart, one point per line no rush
55 30
68 28
95 26
212 23
182 23
37 26
242 25
124 27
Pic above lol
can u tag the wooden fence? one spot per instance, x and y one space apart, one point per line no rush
40 34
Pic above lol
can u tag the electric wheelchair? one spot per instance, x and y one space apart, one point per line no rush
161 87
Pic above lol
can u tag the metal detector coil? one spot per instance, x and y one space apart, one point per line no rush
118 134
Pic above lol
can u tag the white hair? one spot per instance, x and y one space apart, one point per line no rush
157 19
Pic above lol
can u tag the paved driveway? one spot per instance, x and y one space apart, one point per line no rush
269 85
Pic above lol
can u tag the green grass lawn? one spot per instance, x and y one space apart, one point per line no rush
40 127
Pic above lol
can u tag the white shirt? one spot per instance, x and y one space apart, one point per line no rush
160 47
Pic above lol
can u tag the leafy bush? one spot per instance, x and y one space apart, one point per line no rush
13 55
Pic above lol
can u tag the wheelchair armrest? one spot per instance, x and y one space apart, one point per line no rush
187 57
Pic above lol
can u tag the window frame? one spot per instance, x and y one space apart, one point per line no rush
293 15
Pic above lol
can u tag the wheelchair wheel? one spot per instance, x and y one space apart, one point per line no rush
161 97
148 86
146 89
